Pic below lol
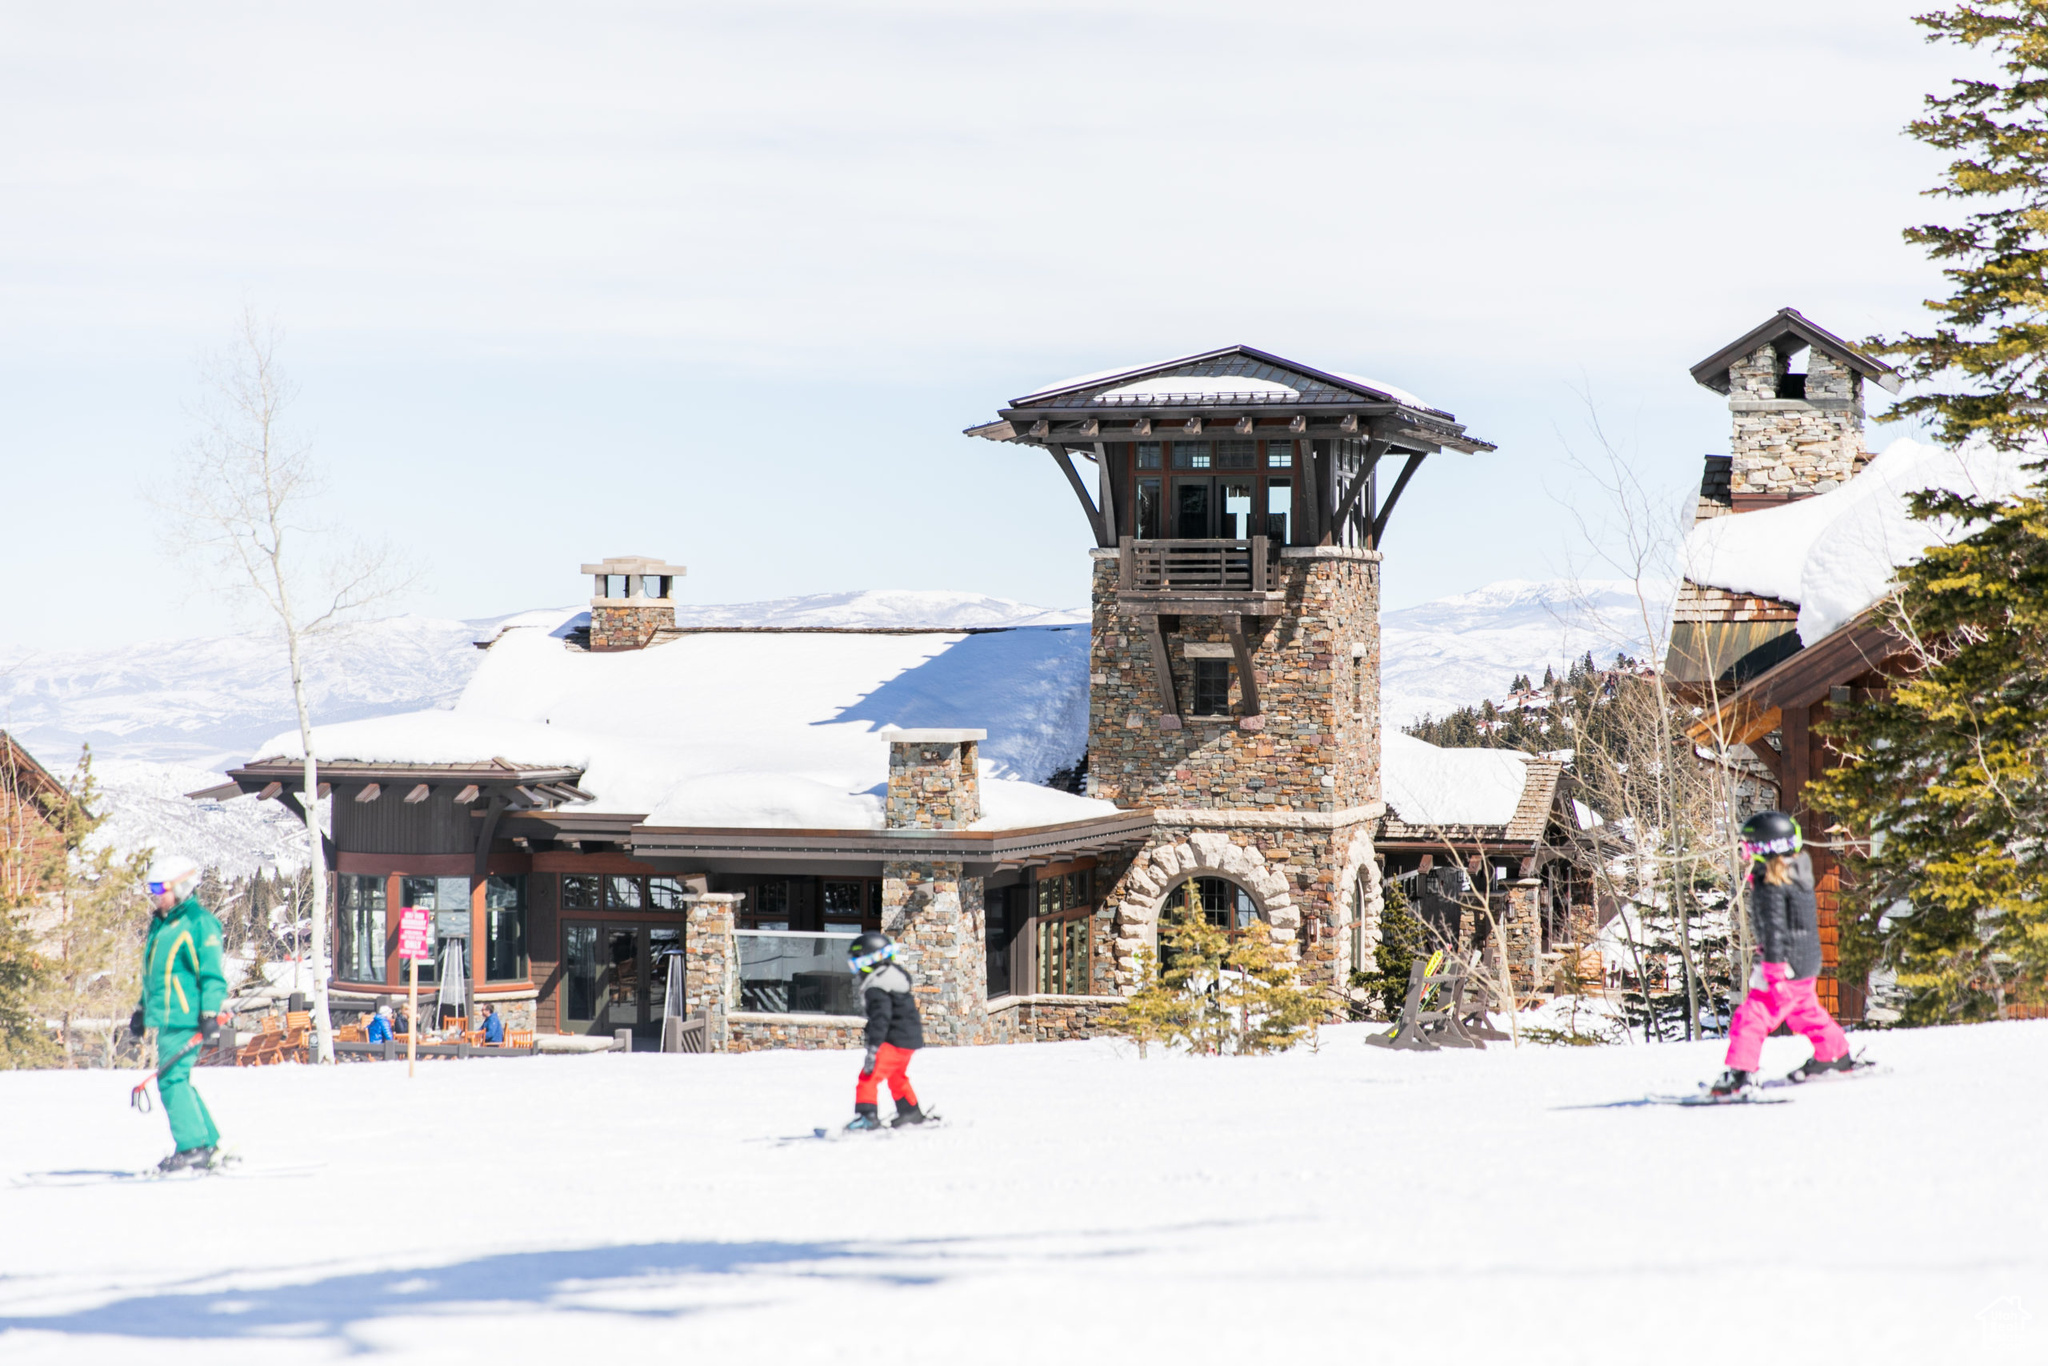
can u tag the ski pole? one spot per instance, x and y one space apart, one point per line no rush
139 1097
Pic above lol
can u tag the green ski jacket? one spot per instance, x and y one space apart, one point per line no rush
182 979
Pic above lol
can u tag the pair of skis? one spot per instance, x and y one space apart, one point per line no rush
1753 1094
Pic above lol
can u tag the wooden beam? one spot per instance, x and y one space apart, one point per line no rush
325 788
1117 512
1066 464
1247 682
1163 671
1379 523
1142 427
1041 428
466 796
1349 426
291 799
370 792
1105 493
1323 477
1193 426
1311 529
1244 426
418 795
1297 424
270 790
1091 426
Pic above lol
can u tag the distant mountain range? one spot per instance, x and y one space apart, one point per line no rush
164 718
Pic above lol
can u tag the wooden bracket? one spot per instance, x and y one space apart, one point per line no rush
418 795
370 792
1193 426
1297 424
1247 681
1142 427
1379 523
1244 426
484 837
1373 451
1066 464
291 799
1162 667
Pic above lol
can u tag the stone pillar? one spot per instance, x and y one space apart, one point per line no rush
934 779
1523 930
928 906
711 967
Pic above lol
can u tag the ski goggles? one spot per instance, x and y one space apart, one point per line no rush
159 888
867 961
1763 849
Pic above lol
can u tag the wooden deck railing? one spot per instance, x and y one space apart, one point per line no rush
1206 567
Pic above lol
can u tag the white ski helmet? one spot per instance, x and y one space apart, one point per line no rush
173 873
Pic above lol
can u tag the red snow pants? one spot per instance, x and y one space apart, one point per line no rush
1782 999
891 1065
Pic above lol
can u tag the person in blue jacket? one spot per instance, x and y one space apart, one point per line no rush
494 1025
380 1025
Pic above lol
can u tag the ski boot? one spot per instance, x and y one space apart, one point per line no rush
907 1112
1814 1067
864 1117
186 1159
1733 1083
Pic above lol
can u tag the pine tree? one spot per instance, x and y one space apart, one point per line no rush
1943 773
1261 991
1401 943
1153 1013
93 948
1986 360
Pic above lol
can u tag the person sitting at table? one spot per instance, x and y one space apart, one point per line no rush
380 1025
494 1026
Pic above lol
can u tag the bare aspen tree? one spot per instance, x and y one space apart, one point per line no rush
249 489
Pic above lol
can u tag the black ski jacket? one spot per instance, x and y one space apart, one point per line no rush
1785 920
892 1015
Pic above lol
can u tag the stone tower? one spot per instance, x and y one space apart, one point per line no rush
1234 671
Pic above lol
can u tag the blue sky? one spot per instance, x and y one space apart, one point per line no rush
722 283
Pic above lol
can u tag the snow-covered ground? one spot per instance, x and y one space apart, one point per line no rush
1081 1205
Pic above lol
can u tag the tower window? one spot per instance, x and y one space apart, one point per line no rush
1358 685
1212 686
1280 455
1237 453
1148 455
1191 455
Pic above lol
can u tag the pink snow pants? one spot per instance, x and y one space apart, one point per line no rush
1785 1000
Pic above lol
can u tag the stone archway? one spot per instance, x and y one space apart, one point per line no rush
1205 853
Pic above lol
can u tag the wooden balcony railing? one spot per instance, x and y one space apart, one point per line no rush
1207 568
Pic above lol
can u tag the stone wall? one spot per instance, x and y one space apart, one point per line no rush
1783 447
747 1033
1049 1019
627 624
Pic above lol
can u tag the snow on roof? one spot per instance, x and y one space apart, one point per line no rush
1425 785
1204 384
1835 553
744 730
1394 392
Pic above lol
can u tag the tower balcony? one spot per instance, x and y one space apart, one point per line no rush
1200 577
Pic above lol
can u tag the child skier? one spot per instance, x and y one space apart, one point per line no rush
1786 925
894 1032
183 988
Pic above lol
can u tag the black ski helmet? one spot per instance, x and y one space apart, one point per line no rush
1769 834
869 951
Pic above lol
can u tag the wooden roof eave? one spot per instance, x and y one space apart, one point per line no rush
982 847
291 772
1712 372
1866 645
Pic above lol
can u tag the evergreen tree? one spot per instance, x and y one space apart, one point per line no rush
1401 943
1986 361
1154 1013
1260 989
93 948
1943 774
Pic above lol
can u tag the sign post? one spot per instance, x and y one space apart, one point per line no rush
415 941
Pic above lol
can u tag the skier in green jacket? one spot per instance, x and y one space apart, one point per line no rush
183 989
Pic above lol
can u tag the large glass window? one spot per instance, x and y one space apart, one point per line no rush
1148 455
580 891
361 923
845 902
785 973
664 965
448 899
666 894
1065 939
1280 455
505 928
624 894
1279 507
1148 510
770 906
579 971
622 946
1191 455
1191 508
1220 901
1237 510
1237 453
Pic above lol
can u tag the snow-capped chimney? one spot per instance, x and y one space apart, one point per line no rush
634 598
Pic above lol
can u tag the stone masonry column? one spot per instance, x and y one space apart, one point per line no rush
928 906
711 963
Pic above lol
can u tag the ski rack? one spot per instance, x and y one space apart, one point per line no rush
1465 1024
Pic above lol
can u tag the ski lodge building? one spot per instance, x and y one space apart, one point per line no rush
624 817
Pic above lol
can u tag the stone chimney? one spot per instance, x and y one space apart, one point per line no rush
634 598
934 779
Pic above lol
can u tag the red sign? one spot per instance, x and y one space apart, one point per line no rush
415 932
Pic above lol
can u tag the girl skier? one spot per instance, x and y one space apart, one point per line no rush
894 1031
1786 926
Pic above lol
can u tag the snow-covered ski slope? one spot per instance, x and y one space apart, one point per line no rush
1079 1205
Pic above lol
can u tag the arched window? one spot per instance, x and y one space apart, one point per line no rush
1222 903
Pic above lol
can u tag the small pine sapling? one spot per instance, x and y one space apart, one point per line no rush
1154 1013
1260 989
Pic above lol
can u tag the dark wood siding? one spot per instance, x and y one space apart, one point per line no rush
389 825
544 945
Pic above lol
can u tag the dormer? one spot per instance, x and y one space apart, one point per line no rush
632 597
1794 432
